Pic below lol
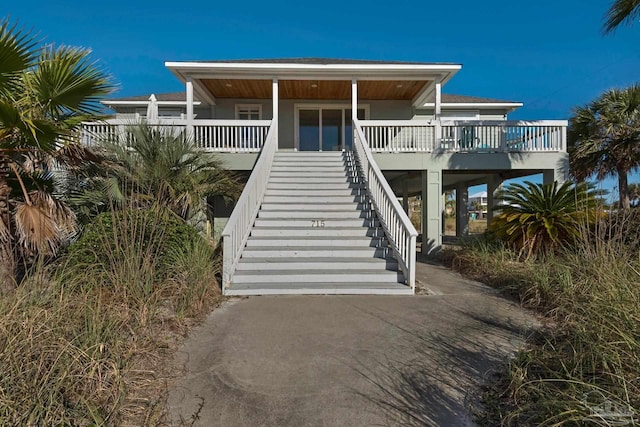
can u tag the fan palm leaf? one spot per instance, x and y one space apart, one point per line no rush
17 53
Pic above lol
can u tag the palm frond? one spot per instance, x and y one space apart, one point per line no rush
17 53
604 136
621 12
35 229
65 81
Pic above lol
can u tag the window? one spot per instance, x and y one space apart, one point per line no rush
248 111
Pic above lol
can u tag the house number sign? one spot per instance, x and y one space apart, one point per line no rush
317 223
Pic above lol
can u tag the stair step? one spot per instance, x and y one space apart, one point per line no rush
306 167
353 288
338 207
313 276
345 191
316 231
264 264
342 185
314 199
312 163
312 180
316 215
315 241
305 172
315 252
329 223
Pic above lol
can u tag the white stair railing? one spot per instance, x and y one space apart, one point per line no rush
401 234
238 228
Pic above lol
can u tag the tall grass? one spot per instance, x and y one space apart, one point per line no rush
584 368
81 341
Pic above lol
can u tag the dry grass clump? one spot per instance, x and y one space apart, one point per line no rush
86 341
584 369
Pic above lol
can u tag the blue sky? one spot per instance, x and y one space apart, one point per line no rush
551 55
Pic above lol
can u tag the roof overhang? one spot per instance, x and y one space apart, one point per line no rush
213 79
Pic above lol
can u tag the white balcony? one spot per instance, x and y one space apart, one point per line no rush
230 136
397 136
382 136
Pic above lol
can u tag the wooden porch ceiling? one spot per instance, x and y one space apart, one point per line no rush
315 89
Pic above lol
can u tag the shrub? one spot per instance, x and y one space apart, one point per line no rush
144 237
537 218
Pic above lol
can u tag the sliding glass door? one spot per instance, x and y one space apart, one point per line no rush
325 129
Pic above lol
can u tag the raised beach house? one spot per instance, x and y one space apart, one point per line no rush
333 149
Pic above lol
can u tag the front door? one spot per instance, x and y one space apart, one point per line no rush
325 129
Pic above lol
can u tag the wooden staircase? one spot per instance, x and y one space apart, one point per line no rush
316 233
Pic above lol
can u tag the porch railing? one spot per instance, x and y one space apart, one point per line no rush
236 232
210 135
465 136
395 222
399 135
231 135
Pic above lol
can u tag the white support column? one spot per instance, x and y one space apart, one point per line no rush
548 176
189 88
354 99
462 210
494 185
438 102
274 107
275 98
431 211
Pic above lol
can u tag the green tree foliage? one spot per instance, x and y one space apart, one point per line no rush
45 93
537 218
604 138
157 165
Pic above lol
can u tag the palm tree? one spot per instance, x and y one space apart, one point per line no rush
536 218
45 93
604 138
156 165
621 12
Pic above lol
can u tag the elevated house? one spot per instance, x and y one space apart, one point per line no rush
328 147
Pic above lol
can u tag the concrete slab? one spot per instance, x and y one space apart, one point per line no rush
347 360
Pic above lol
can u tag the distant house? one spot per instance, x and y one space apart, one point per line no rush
330 144
478 203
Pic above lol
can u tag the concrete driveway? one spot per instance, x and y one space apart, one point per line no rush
347 360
